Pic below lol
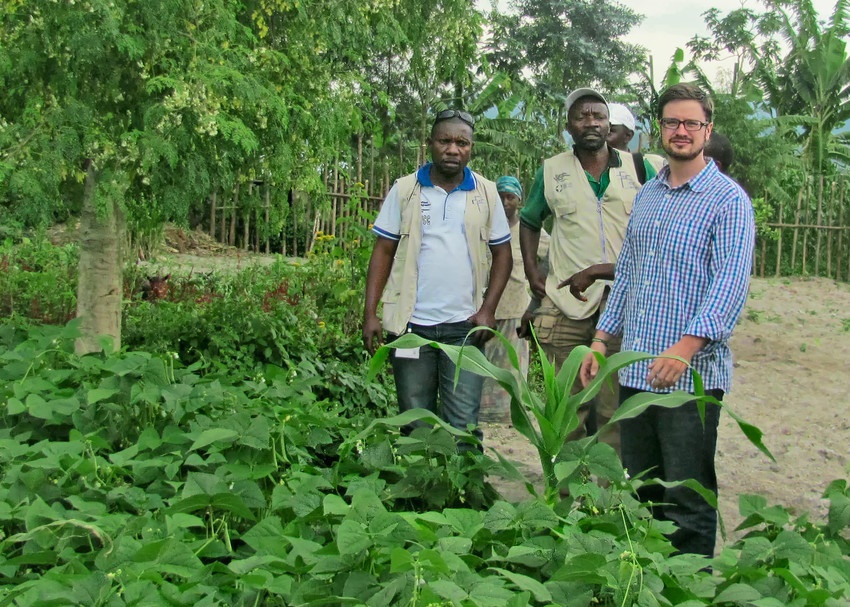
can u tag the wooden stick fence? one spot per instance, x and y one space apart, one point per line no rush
807 238
820 247
264 217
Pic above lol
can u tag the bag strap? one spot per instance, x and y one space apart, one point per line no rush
640 167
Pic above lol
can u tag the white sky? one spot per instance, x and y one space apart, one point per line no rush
669 24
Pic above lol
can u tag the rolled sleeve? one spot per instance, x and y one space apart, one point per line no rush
731 265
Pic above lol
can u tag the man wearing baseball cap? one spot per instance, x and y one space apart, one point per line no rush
623 131
622 126
589 190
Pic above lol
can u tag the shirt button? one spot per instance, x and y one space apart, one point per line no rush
651 253
657 224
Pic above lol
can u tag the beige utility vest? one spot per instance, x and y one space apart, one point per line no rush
399 295
585 231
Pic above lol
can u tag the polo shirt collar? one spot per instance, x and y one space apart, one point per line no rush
423 175
614 160
698 182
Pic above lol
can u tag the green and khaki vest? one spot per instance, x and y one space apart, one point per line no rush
585 231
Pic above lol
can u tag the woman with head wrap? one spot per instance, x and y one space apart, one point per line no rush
495 401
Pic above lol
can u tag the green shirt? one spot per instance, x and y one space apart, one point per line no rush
536 210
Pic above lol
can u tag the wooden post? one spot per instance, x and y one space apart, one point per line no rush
335 204
365 205
212 214
223 230
267 209
840 254
359 158
295 223
779 242
796 231
386 179
371 162
231 237
830 222
819 229
246 221
805 230
763 256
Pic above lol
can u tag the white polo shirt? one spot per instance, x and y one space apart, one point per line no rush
444 290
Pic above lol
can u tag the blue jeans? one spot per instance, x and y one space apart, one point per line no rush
419 381
673 445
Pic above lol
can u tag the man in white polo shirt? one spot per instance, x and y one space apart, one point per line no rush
438 230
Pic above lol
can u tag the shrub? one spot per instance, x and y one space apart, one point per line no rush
38 281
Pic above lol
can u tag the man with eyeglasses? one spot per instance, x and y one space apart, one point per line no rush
589 190
437 231
681 282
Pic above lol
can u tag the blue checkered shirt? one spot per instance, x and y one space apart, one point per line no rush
684 270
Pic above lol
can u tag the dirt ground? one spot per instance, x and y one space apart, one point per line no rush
791 350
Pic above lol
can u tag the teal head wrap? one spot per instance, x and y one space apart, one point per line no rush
509 184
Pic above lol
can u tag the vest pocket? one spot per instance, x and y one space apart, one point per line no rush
563 207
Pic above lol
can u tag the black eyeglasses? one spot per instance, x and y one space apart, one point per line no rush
672 124
449 114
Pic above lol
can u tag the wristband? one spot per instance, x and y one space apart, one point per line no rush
599 340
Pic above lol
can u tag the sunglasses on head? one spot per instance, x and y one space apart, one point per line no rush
449 114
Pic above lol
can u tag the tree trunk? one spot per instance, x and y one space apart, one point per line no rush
99 291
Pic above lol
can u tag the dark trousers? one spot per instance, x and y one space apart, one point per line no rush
674 445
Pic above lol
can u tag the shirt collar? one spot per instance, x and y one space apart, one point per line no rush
614 160
423 175
698 182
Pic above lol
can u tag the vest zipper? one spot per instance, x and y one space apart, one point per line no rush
601 230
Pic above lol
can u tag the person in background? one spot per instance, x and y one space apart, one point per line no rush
495 400
622 132
622 127
437 231
719 149
681 283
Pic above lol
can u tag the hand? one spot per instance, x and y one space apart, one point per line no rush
537 284
665 372
372 334
482 319
590 366
579 283
524 329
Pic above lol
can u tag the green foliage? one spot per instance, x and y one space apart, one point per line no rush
298 317
129 479
807 88
547 419
38 281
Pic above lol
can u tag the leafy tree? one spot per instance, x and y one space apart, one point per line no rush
807 89
116 107
138 111
559 45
